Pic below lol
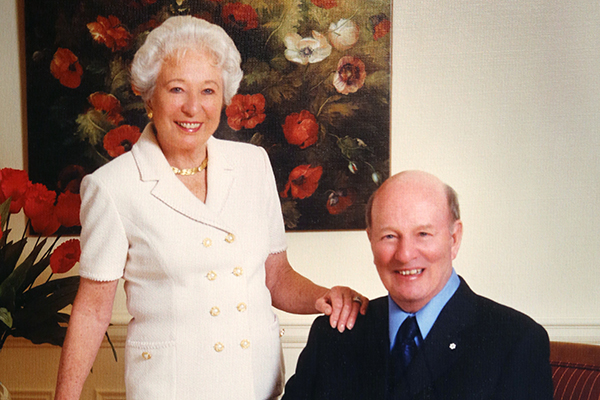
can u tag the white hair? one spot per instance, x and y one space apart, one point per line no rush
178 34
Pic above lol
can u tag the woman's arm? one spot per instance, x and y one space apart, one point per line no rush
90 318
292 292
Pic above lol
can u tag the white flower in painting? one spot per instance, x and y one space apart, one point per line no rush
343 34
306 50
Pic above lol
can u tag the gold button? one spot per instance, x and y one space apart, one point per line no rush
211 276
241 307
219 347
281 332
207 242
146 355
215 311
238 271
245 344
230 238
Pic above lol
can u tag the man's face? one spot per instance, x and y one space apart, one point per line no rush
413 239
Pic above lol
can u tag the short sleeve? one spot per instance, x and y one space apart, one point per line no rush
104 244
278 242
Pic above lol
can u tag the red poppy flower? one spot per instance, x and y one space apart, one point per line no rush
241 15
301 129
381 25
246 111
65 256
340 200
14 184
67 209
109 104
350 75
326 4
303 181
66 68
110 32
120 140
39 208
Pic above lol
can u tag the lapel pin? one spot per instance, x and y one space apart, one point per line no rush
452 346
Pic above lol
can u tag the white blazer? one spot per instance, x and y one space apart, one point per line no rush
203 326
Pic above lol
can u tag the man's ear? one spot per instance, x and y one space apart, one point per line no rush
369 233
456 231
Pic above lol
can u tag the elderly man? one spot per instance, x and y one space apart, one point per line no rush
431 337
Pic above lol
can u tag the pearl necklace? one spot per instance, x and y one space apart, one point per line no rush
190 171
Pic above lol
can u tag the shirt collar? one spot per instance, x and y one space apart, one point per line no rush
427 315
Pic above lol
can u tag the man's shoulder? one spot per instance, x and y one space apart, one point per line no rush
496 316
377 313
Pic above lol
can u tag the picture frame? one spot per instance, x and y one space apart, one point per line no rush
315 93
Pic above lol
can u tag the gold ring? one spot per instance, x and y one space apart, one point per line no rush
357 299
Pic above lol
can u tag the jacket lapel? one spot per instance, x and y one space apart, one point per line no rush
153 166
443 345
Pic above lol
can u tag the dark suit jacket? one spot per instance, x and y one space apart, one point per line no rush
477 349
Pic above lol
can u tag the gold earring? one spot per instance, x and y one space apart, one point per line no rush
150 114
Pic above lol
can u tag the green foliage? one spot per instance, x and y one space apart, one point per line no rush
29 309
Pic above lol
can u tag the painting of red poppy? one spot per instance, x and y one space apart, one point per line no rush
315 94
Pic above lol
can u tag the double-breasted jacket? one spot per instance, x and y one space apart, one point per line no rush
202 323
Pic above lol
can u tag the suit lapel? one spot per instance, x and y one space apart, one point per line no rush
444 344
153 166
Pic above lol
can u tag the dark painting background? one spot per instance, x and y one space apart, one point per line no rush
66 131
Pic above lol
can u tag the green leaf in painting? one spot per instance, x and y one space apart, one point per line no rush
335 113
6 317
93 125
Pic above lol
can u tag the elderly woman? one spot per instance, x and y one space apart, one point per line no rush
193 224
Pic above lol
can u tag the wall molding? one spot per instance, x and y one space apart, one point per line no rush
296 333
110 395
31 394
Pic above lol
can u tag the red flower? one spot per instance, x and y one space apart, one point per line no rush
350 75
110 32
66 68
65 256
301 129
246 111
39 208
109 104
340 200
326 4
303 181
14 184
241 15
381 25
67 209
120 140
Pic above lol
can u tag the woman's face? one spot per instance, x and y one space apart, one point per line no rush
187 100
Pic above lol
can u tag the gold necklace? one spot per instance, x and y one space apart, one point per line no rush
190 171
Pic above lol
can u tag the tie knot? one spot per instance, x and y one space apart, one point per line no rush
408 331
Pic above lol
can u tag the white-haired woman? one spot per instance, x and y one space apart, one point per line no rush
193 224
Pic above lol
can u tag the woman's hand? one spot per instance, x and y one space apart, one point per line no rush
342 304
292 292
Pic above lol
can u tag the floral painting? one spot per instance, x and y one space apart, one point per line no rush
315 93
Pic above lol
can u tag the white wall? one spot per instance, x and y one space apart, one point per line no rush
502 101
